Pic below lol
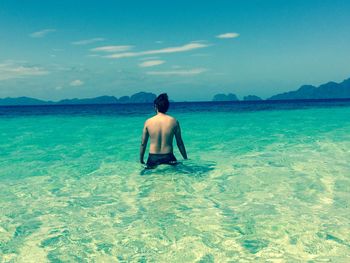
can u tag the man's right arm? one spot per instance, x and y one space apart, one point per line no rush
179 141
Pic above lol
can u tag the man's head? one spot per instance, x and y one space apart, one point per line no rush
161 103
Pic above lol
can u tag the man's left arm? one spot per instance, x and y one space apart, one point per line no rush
144 140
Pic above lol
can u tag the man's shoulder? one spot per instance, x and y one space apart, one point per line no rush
157 118
149 120
171 118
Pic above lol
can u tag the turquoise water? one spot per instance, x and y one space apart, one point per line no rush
266 186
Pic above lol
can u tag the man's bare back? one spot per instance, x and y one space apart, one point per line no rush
161 129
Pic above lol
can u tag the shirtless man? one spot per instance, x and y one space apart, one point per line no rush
161 128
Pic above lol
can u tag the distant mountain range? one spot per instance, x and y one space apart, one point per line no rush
330 90
140 97
251 98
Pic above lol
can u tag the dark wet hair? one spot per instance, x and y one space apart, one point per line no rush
162 103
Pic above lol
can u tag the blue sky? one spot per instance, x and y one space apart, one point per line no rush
190 49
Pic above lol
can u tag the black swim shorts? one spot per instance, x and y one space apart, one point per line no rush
155 159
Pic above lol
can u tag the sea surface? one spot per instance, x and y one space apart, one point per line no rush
265 182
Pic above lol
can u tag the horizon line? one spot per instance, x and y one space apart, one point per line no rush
262 101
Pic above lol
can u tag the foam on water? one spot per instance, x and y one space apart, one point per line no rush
259 186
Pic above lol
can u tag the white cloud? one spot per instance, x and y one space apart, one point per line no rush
188 72
151 63
42 33
88 41
184 48
10 70
199 41
228 35
111 48
76 83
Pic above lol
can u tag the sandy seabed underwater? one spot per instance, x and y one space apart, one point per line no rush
267 185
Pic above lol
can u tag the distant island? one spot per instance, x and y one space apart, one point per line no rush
251 98
330 90
140 97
